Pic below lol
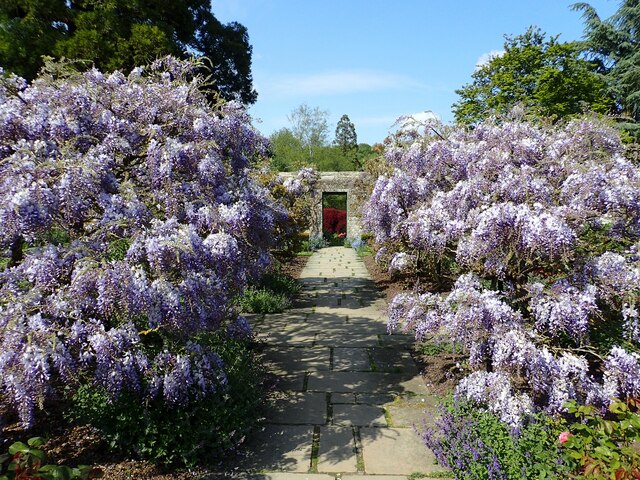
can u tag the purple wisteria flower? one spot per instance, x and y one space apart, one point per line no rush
541 226
130 217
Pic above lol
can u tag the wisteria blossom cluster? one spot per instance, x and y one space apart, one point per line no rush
294 194
130 220
541 225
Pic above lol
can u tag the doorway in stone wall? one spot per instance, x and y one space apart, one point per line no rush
334 217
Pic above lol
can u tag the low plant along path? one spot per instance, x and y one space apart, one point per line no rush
348 394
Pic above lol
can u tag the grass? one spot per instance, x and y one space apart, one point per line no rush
419 475
432 348
272 294
315 450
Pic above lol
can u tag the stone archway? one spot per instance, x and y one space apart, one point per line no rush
351 183
354 184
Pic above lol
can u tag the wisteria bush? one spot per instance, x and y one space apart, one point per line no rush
537 226
130 221
208 428
294 194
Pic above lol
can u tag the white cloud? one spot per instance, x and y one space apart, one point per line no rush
487 57
385 120
335 83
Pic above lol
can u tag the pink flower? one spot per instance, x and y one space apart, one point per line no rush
564 437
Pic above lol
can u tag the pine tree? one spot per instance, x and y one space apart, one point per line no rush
347 140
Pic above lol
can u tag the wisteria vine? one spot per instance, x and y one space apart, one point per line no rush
130 220
540 225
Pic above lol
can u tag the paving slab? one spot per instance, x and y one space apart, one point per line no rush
410 416
397 340
392 360
374 477
359 415
305 408
369 382
279 447
293 476
284 338
348 398
286 360
337 450
334 346
375 398
340 339
351 359
395 451
293 381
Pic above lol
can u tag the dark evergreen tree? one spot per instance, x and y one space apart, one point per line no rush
615 44
120 34
347 140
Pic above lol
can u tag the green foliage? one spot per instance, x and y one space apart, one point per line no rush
334 200
546 77
28 462
603 447
272 294
334 239
365 153
263 300
314 243
309 126
615 44
279 282
117 249
120 34
347 141
305 144
479 443
197 434
331 159
432 348
364 250
287 152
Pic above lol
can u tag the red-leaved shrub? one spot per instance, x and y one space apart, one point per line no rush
334 220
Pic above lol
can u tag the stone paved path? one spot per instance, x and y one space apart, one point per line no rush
348 393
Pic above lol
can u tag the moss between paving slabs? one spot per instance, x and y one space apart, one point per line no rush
315 450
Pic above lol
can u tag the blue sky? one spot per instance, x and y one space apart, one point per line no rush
376 60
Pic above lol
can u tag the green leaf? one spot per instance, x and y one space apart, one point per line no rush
39 454
602 451
35 442
18 447
609 427
618 407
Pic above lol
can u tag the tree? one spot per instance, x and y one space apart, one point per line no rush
347 140
545 76
309 126
120 34
615 44
287 153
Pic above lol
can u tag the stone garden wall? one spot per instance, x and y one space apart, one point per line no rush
354 184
